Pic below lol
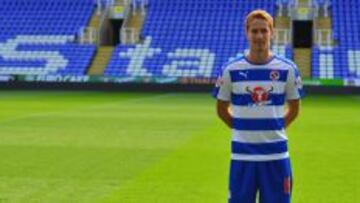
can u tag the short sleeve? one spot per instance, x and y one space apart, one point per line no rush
294 87
222 90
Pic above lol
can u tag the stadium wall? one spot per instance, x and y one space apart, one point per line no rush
156 87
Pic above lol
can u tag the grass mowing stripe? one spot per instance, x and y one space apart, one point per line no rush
323 144
97 106
194 172
149 150
55 164
320 162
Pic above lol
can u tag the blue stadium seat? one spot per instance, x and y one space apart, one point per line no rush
22 21
188 38
346 31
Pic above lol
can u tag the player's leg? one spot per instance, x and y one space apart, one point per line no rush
275 181
242 187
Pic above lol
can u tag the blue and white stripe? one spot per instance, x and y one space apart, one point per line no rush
246 100
258 74
257 112
255 137
258 127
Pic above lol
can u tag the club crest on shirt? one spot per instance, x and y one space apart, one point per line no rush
274 75
260 95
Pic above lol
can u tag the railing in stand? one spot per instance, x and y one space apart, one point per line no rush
88 35
282 36
101 5
128 36
137 5
323 37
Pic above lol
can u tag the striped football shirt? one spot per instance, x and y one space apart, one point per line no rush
257 94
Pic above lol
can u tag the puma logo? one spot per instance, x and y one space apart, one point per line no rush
243 74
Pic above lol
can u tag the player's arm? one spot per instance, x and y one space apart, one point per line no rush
223 97
292 111
294 92
223 111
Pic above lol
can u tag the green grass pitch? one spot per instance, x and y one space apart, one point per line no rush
159 148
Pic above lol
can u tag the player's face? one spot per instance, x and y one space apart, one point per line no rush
259 35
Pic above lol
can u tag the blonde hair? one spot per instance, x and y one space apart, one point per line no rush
259 14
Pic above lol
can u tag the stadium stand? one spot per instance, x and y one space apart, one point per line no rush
342 60
323 63
346 29
188 38
39 37
184 38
